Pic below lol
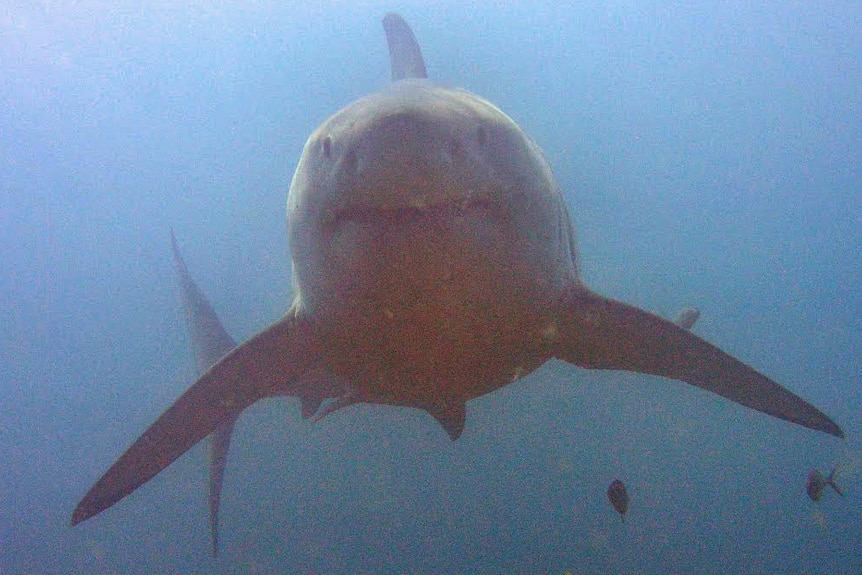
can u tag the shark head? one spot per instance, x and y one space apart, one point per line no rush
415 165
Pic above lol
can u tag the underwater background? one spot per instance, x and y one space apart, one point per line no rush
710 155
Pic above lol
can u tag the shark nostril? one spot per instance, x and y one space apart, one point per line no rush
327 146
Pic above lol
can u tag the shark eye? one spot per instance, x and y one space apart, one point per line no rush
327 146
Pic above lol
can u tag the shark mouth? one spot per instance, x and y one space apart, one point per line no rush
472 204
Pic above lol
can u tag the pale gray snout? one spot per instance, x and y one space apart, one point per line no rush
401 152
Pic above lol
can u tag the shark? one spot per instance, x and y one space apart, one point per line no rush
434 261
211 341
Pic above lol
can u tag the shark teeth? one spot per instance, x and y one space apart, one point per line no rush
414 210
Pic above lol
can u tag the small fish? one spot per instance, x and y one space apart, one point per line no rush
619 498
817 483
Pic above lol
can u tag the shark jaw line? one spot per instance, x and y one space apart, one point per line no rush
473 204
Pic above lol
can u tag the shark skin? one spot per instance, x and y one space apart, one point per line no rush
434 261
210 342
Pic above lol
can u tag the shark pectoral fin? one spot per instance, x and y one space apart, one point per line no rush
599 333
451 417
218 461
263 366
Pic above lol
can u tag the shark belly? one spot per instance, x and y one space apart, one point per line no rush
442 305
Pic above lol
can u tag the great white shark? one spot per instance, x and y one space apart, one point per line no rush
434 261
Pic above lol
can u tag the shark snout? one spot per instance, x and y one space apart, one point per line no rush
407 159
401 159
399 141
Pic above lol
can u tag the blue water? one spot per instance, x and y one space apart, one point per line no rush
710 157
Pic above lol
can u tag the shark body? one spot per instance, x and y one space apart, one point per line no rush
434 261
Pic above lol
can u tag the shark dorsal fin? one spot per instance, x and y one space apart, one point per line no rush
404 52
